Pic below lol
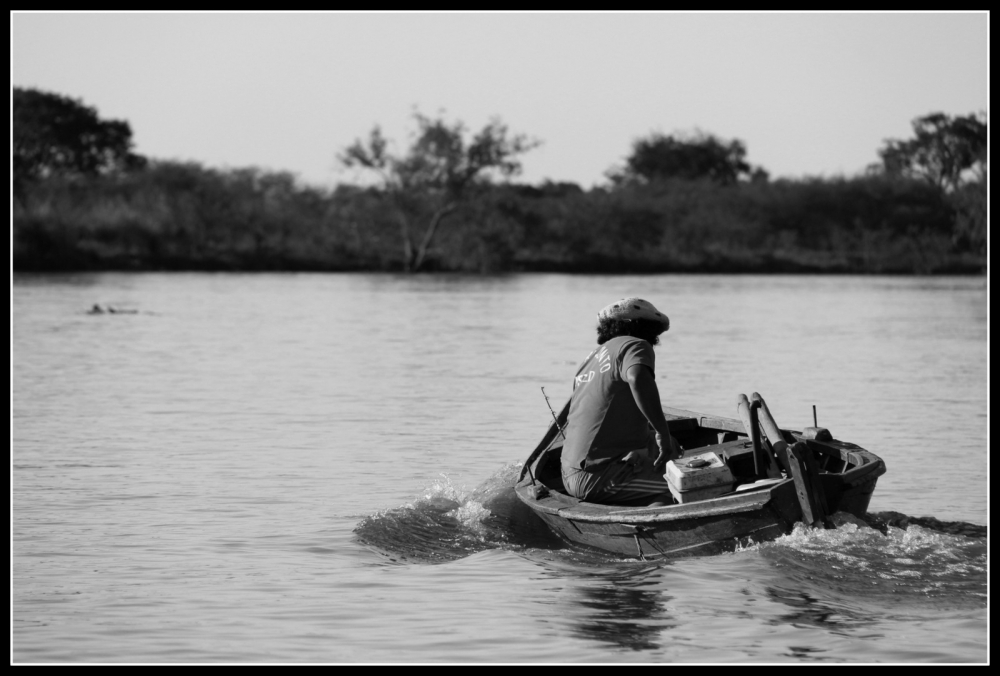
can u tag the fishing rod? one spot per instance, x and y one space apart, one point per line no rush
554 417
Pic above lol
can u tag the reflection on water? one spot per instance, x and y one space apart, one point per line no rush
624 610
807 609
805 653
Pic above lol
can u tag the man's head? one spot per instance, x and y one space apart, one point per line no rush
631 317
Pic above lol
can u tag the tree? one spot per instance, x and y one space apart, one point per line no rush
944 151
55 135
440 169
950 154
700 156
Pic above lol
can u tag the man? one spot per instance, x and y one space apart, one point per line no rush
605 458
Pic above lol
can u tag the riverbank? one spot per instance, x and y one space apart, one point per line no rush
186 217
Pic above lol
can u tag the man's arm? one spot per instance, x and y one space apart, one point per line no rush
647 398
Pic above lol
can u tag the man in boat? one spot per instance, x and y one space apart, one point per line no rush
610 455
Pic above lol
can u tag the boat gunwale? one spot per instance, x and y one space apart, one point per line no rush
734 503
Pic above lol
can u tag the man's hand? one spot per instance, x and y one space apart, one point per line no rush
669 449
632 458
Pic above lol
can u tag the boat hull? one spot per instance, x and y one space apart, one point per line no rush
719 525
709 535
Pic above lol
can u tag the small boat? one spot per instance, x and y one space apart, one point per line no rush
760 481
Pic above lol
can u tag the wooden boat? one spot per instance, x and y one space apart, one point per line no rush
815 477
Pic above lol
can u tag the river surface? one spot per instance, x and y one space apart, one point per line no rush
297 468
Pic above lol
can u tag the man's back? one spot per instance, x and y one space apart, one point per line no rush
604 421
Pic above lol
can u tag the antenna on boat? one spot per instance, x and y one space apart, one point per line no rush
815 424
554 417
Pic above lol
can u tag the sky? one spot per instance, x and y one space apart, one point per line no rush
809 94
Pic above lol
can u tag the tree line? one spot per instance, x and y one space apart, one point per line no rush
449 201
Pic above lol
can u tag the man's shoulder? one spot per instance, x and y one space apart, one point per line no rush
631 351
621 343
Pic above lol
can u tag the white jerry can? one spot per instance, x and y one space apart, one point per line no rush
698 477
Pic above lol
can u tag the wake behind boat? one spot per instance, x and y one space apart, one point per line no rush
732 484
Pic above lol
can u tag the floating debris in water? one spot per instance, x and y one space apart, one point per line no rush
112 310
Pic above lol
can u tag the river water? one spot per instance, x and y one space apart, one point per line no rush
305 468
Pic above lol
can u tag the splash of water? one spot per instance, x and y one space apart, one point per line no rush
908 563
883 520
448 523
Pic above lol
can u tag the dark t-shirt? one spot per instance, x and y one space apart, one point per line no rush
604 421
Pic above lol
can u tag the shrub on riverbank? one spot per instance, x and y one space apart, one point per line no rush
179 216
